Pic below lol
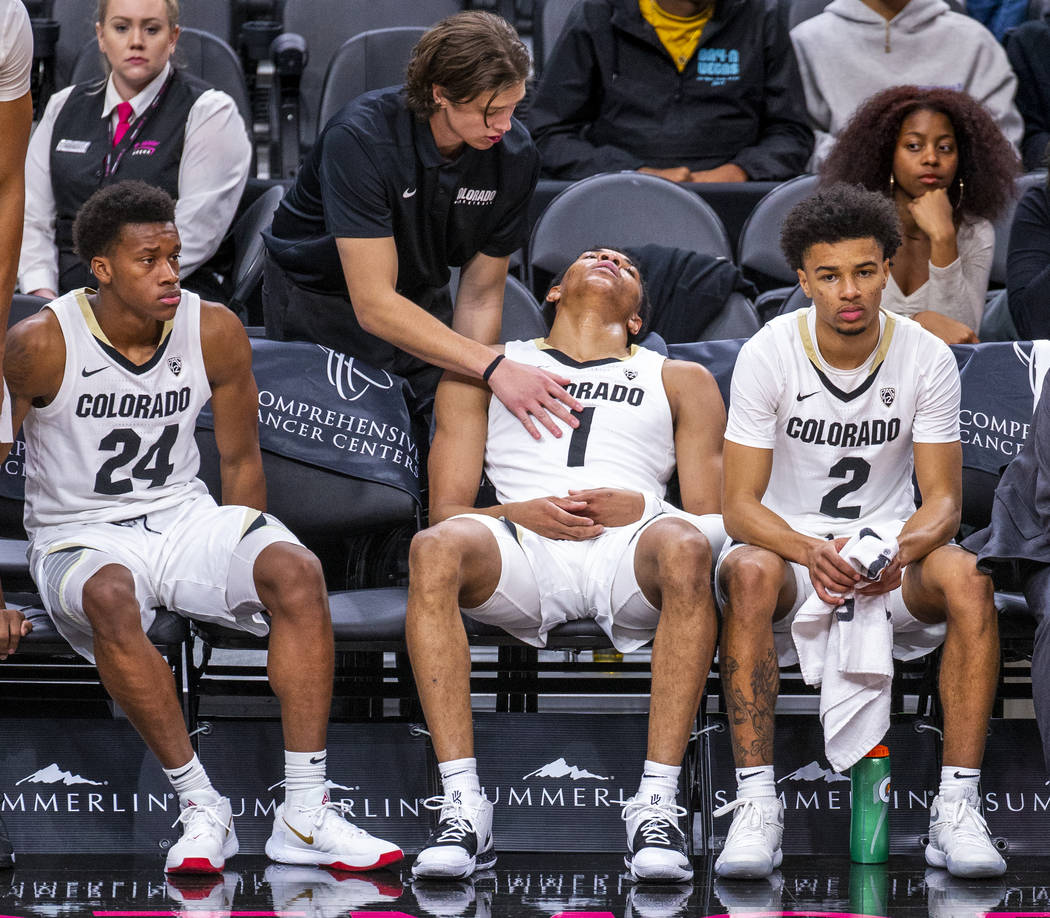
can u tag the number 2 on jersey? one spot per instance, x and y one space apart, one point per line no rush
857 471
155 465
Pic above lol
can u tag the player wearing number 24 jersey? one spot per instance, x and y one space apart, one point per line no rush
109 384
832 409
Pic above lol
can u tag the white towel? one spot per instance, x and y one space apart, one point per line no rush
848 651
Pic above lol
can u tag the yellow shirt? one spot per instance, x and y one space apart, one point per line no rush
679 35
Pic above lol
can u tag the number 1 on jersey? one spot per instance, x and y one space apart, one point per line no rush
578 440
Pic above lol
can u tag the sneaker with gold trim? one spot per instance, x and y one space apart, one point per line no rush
321 836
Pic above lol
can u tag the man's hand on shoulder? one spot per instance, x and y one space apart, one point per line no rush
610 506
554 518
13 627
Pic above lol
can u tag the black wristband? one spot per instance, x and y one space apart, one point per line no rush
491 368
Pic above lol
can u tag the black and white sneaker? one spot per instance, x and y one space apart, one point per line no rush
7 850
656 845
462 841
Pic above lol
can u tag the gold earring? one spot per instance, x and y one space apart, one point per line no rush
962 188
892 184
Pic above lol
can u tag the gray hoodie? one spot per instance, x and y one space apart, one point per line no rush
849 52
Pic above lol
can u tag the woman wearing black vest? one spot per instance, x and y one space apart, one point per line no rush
147 121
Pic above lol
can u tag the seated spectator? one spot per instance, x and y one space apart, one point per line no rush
1015 547
858 47
950 172
1028 49
148 121
1028 265
691 90
998 16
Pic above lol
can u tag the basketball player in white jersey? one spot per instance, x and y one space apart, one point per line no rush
580 531
109 385
831 409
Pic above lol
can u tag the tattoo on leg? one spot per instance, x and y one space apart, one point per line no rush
752 717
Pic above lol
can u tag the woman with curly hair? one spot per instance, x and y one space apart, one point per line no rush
943 160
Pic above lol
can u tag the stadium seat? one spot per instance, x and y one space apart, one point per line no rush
246 234
326 24
759 249
200 53
548 21
522 314
621 209
368 61
1002 226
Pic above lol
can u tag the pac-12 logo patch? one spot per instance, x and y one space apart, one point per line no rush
630 374
175 365
887 394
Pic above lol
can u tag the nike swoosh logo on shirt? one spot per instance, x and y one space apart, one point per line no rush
408 193
87 372
306 839
801 398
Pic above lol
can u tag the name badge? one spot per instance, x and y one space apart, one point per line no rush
73 146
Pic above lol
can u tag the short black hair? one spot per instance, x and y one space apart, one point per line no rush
837 212
102 217
645 308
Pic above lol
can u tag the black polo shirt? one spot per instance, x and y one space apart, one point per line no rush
376 172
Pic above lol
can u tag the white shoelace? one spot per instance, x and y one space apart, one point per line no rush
201 812
964 817
749 820
655 820
341 808
459 824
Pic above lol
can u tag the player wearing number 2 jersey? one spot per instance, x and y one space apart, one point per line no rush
832 408
109 385
580 531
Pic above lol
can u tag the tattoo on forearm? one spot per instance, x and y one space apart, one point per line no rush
751 713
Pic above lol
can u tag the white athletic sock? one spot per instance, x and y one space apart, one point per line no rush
191 781
304 777
755 782
659 784
460 775
958 782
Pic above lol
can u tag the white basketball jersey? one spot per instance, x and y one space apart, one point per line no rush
625 438
842 439
117 440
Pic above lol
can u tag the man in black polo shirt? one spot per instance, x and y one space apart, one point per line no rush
400 185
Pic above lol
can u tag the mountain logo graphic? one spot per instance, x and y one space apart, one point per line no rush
52 774
559 768
814 772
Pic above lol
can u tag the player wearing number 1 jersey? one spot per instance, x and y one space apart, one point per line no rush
580 531
109 385
832 408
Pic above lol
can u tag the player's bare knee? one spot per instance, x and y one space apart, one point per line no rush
290 580
751 580
683 555
970 597
109 602
437 553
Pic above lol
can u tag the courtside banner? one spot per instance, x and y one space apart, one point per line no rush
1001 382
325 409
76 785
559 781
817 799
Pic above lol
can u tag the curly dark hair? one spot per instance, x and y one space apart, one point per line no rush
838 212
863 153
468 54
645 308
104 215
